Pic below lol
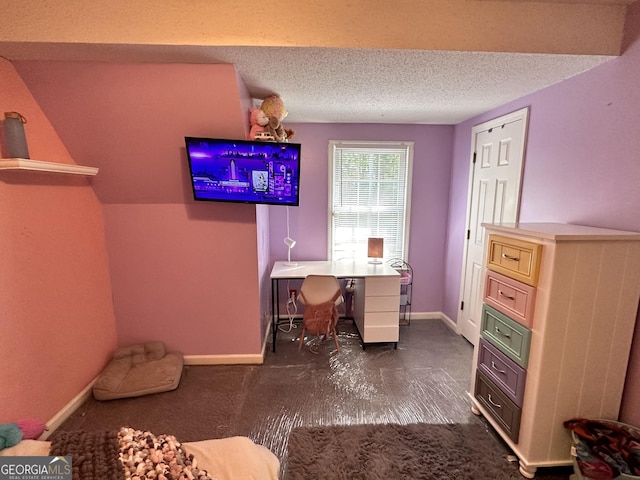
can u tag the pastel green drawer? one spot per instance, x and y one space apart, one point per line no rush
507 335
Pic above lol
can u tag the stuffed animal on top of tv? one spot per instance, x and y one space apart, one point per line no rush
258 121
273 109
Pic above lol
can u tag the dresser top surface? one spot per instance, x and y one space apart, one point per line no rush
561 231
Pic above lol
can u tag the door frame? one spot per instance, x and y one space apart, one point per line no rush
521 114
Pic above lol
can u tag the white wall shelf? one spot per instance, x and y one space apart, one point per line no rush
41 166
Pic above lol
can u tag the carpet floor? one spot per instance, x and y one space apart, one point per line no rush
380 452
426 380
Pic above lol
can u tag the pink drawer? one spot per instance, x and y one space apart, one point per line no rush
514 299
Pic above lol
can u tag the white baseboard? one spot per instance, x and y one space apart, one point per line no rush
243 359
450 323
436 316
66 411
240 359
420 316
425 316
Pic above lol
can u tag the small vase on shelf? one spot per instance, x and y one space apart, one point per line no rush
14 136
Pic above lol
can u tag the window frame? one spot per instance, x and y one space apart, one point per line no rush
408 146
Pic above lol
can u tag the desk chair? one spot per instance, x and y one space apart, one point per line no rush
320 294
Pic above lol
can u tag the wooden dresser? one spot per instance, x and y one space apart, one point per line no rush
557 320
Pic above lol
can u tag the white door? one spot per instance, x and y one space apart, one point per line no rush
494 196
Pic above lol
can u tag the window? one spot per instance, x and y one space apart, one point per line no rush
370 191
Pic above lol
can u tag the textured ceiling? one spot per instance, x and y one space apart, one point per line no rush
396 86
418 61
356 85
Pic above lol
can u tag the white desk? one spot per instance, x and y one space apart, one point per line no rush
376 295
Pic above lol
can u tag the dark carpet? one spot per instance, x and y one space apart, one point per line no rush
416 451
425 380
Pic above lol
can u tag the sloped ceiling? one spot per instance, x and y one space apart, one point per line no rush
130 120
412 61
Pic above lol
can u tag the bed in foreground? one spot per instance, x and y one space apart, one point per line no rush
135 454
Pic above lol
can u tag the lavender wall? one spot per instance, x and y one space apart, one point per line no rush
429 200
582 164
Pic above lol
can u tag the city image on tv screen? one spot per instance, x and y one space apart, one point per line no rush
244 171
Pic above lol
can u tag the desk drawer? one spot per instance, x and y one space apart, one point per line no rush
510 297
382 304
503 410
503 372
381 318
514 258
508 336
380 333
382 286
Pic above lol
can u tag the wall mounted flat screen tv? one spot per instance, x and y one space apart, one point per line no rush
244 171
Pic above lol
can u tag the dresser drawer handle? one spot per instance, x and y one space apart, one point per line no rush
505 335
497 405
508 297
493 365
507 257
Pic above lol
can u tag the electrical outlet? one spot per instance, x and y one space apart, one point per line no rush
293 294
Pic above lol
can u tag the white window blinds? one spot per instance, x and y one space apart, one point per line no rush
369 197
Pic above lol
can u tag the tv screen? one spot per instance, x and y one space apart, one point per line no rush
244 171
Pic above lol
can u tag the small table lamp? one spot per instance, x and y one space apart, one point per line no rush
290 243
375 247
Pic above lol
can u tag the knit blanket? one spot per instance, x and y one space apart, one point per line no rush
126 454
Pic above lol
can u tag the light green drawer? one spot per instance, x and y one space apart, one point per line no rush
507 335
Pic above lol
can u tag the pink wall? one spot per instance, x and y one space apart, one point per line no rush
582 165
56 322
263 221
186 275
182 272
431 174
131 119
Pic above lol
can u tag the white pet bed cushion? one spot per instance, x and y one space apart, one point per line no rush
234 458
139 370
27 448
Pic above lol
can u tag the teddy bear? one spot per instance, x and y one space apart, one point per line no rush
274 109
275 128
258 121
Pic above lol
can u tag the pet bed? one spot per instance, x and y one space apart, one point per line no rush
139 370
128 453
